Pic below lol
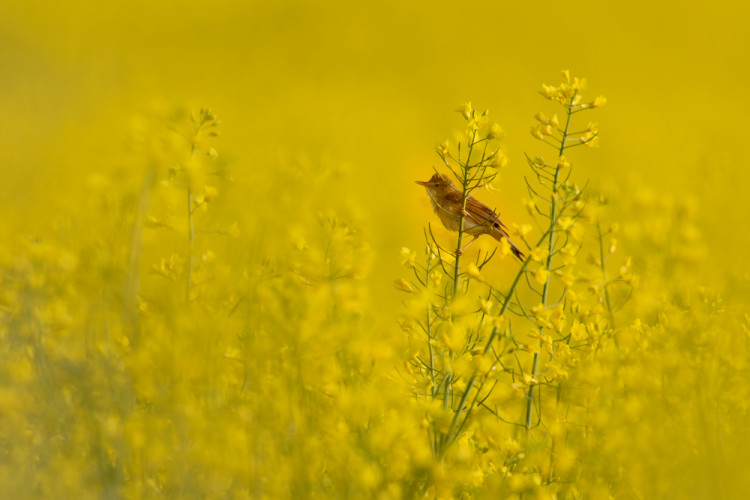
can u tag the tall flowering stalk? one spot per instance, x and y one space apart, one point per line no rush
451 328
561 202
189 183
476 356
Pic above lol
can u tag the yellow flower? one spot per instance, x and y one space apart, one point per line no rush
406 324
521 230
153 222
541 275
443 150
594 260
539 162
558 323
541 312
498 160
209 193
485 305
576 232
578 330
504 247
481 363
436 277
590 140
501 323
208 256
537 132
555 371
404 286
548 91
613 245
495 131
539 254
563 223
598 102
473 271
233 230
465 110
512 446
625 273
568 254
530 206
563 350
407 257
453 337
567 279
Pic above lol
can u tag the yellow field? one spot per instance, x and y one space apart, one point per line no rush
207 207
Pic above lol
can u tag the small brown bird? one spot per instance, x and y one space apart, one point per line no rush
479 219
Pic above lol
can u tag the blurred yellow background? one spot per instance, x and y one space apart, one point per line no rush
339 105
373 85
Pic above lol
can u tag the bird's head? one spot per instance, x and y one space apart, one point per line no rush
436 183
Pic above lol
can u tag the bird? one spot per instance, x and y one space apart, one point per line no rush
478 218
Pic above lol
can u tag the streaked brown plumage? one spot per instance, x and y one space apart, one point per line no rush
479 219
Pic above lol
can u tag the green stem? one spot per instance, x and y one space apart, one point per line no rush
191 240
191 227
553 209
428 329
442 440
464 197
550 248
530 393
604 274
512 288
459 410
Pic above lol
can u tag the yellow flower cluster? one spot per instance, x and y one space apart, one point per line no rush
568 94
163 339
563 382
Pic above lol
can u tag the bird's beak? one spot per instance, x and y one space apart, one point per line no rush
422 183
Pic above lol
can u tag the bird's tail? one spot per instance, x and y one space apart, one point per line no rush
516 251
499 234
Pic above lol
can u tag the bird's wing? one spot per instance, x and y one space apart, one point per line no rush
481 213
454 196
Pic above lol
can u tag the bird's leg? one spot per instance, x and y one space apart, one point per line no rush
460 252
